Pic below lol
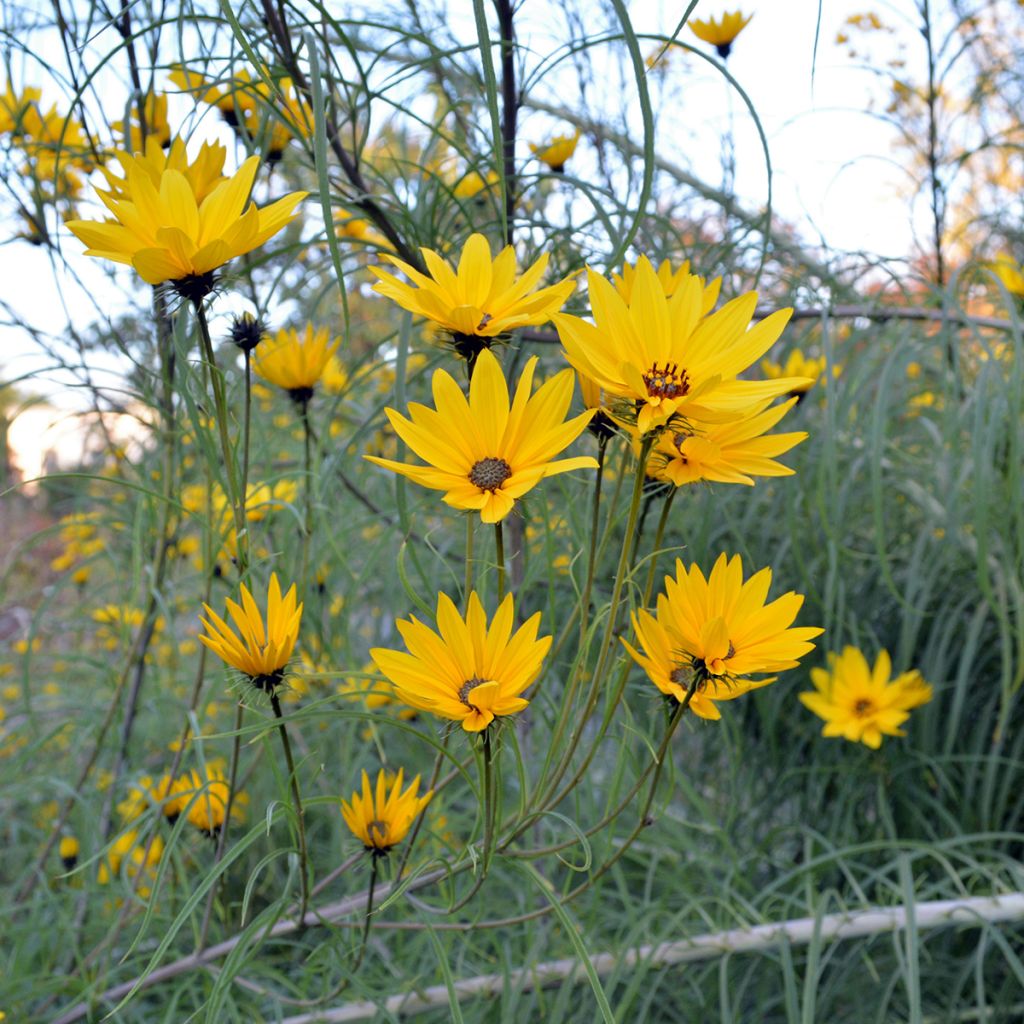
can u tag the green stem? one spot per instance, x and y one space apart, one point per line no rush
652 566
595 521
468 587
374 858
275 703
247 423
307 465
499 548
221 406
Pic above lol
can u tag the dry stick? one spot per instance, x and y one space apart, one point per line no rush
974 911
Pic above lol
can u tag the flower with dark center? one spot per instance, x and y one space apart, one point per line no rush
381 818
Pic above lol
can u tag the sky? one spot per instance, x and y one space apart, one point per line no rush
835 176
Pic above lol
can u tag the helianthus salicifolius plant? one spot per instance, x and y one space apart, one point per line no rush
163 230
712 635
720 32
296 362
260 651
487 452
380 818
663 358
556 151
730 453
479 301
466 672
862 703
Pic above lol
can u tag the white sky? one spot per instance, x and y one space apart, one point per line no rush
835 176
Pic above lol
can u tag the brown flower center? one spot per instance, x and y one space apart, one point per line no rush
667 382
863 708
467 688
489 474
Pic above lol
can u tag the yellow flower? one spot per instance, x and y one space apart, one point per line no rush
130 852
466 672
166 234
556 151
472 183
381 820
720 32
68 852
486 453
663 357
861 703
203 174
671 280
713 633
14 107
295 362
348 225
154 108
335 376
728 453
1006 268
482 299
236 104
261 653
798 365
205 795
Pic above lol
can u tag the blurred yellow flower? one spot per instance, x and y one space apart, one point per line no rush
166 233
467 672
1008 270
810 368
728 453
711 634
382 819
556 151
671 280
472 183
154 110
662 357
720 32
861 703
260 652
481 299
295 362
68 852
129 852
487 452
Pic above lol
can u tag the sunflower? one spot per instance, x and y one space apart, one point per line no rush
203 174
720 32
556 151
204 796
712 634
727 453
467 672
260 653
166 233
472 184
1008 270
662 357
154 110
295 362
487 452
480 300
381 819
861 703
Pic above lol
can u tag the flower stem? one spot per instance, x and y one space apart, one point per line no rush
221 406
468 588
595 520
499 547
307 494
652 566
275 703
369 910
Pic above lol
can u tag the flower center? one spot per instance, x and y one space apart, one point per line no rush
377 831
489 474
667 382
863 708
467 687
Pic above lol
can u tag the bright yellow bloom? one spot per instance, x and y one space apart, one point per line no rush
348 225
130 851
714 633
671 280
295 362
466 672
381 820
472 183
203 174
487 452
154 108
663 357
727 453
1006 268
14 106
556 151
799 365
861 703
261 653
205 794
482 298
720 32
167 235
335 376
68 852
